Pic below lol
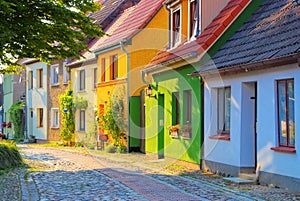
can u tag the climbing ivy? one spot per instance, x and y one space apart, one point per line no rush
16 115
67 110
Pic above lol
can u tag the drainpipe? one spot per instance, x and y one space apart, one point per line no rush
122 43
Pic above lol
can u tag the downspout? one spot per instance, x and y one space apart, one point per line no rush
127 92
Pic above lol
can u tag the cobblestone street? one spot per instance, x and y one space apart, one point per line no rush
58 174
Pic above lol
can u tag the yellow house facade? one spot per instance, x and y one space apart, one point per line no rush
121 57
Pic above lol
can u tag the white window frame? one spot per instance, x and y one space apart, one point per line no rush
222 110
172 43
54 117
80 80
54 74
66 74
189 19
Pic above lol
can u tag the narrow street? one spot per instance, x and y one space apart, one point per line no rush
57 174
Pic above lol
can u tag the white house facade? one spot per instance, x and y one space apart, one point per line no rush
37 90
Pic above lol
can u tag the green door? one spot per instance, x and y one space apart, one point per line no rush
161 116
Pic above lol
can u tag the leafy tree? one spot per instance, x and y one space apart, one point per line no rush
45 29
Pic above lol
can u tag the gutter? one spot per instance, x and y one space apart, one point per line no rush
122 43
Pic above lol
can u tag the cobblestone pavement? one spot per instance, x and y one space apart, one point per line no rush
94 175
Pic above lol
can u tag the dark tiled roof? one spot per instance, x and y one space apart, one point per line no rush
110 9
207 37
142 14
273 31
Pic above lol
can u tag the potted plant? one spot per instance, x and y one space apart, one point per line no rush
174 130
2 136
32 139
8 125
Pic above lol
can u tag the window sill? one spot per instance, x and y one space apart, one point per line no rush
55 128
81 91
55 85
284 149
225 137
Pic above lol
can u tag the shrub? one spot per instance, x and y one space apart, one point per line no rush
9 155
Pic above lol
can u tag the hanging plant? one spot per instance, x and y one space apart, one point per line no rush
79 103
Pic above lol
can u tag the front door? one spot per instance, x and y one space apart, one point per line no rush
248 133
160 137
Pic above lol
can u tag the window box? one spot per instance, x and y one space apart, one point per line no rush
225 137
284 149
174 131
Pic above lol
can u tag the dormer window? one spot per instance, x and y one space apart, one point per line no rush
193 15
176 27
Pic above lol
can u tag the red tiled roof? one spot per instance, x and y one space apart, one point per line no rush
207 37
142 14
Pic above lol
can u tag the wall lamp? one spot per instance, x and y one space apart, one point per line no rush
296 2
149 92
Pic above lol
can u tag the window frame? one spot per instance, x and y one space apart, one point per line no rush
114 67
82 126
66 74
174 33
54 120
287 115
40 118
30 80
176 108
95 77
221 115
193 18
39 79
54 74
81 83
103 69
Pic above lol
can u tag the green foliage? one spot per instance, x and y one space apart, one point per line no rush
17 118
67 123
79 103
45 30
113 120
9 155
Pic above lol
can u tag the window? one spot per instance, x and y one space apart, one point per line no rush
54 118
114 67
176 24
286 112
94 77
193 14
54 74
82 120
187 107
40 78
81 80
103 70
40 117
30 80
175 108
66 74
224 104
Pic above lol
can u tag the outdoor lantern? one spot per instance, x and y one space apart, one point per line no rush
149 92
296 2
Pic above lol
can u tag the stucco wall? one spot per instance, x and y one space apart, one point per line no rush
230 152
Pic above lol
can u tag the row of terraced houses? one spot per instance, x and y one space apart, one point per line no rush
210 82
